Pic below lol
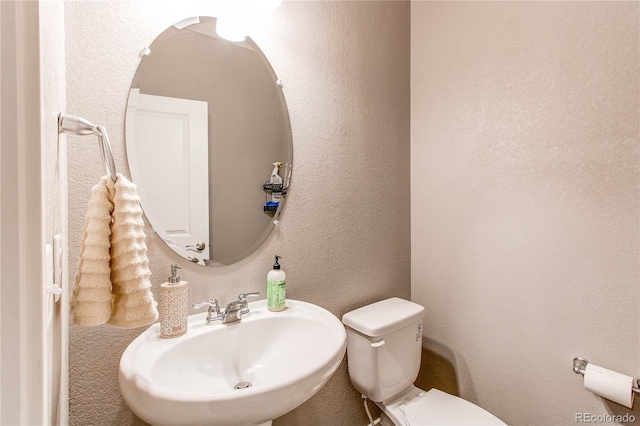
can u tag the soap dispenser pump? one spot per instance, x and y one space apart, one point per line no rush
174 306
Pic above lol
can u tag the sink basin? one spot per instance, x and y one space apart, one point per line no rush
244 373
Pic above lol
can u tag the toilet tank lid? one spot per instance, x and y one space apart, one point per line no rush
383 317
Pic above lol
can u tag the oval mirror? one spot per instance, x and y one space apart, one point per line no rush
206 120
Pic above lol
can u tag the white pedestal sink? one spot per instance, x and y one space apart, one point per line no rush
277 359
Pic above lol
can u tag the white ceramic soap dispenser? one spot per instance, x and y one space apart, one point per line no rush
174 306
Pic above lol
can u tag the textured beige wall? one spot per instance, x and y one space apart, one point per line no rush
344 237
524 186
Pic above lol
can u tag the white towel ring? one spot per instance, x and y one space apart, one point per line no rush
105 152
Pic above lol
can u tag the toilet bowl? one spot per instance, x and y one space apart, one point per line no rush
384 345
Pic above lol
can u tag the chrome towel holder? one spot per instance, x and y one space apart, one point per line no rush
580 365
79 126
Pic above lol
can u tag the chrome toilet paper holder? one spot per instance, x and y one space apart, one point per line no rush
580 365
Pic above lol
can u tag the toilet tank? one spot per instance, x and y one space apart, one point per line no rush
384 343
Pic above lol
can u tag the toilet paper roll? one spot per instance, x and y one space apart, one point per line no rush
609 384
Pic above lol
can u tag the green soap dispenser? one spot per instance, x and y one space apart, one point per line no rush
276 288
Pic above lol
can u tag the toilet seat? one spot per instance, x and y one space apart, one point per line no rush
439 408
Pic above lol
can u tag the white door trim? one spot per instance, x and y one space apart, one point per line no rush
22 302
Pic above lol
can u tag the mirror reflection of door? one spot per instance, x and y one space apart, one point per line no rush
171 168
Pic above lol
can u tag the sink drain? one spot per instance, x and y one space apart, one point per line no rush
242 385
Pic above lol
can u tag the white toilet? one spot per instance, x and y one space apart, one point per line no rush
384 345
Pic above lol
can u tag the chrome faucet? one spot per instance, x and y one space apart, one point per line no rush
234 311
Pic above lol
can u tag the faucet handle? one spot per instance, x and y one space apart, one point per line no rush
244 306
213 314
213 303
242 297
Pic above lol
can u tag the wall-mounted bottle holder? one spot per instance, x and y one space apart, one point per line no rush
274 187
270 208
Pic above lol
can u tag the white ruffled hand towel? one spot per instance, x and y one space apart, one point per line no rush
112 283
